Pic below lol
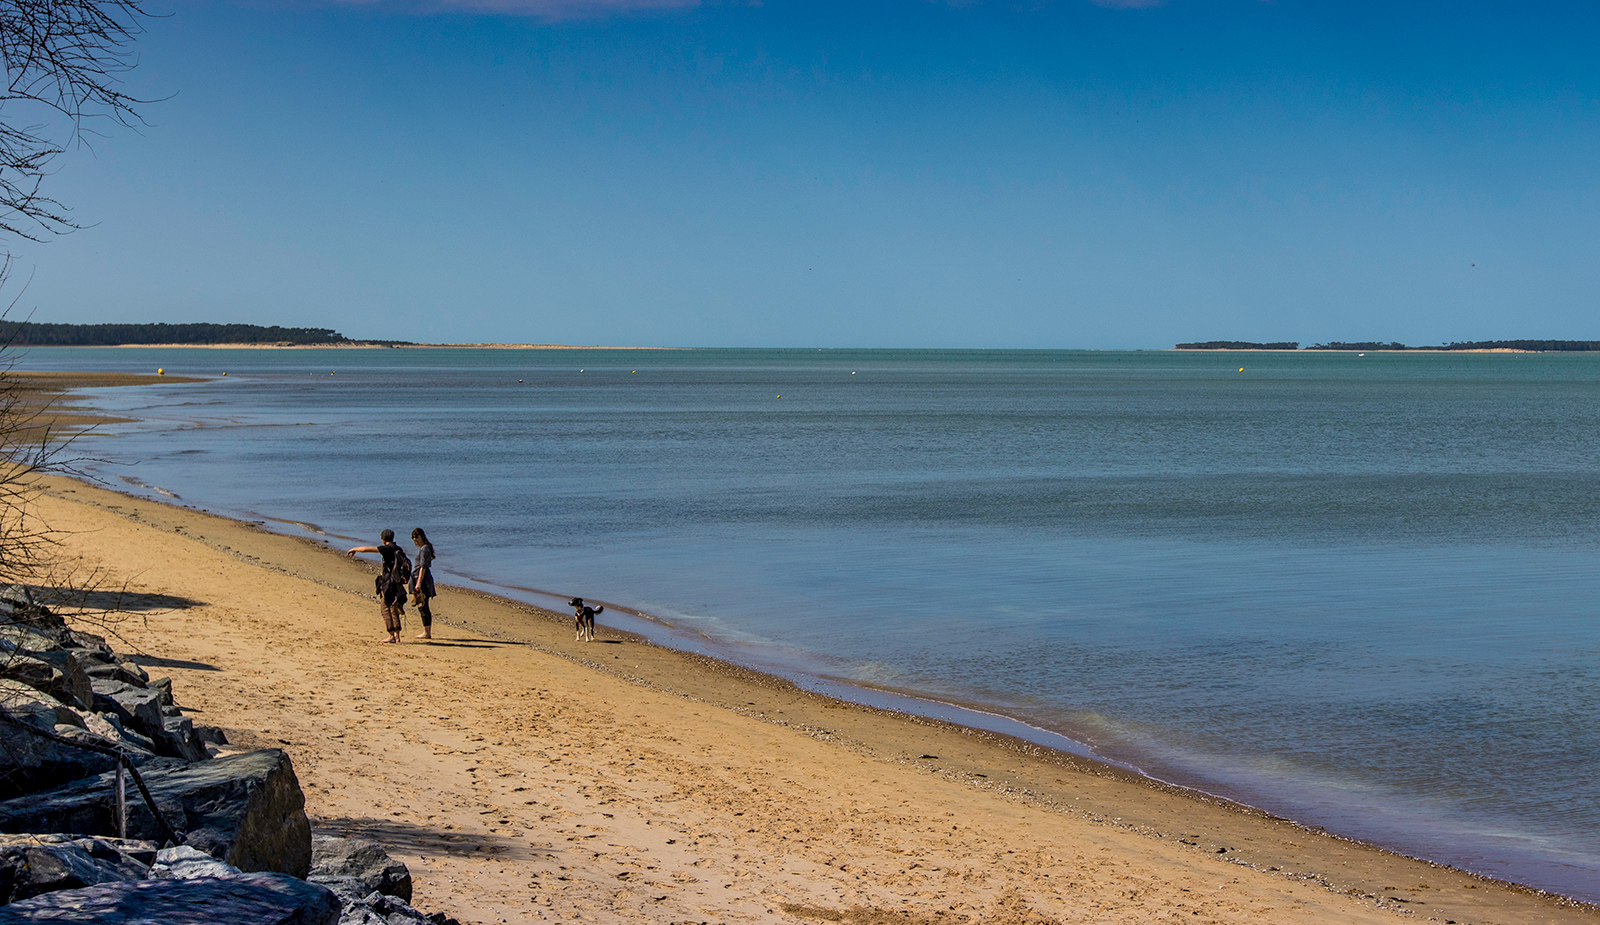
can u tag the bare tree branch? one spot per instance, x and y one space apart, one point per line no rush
64 61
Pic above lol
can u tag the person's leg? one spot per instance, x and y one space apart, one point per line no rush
388 621
426 613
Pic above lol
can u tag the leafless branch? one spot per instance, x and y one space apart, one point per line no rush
64 62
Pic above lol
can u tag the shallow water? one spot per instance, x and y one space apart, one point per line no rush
1357 591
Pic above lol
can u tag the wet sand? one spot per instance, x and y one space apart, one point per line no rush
524 776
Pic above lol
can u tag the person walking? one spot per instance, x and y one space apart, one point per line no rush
391 583
422 582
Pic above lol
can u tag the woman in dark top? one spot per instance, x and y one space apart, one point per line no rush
422 581
391 584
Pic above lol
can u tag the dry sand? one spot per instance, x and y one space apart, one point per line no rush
526 777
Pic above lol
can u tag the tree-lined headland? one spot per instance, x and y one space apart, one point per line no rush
34 334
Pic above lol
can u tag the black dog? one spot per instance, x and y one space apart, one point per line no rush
583 618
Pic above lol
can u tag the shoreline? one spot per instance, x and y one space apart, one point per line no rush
515 346
354 346
973 762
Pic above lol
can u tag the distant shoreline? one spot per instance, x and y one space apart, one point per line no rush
1360 352
492 346
337 347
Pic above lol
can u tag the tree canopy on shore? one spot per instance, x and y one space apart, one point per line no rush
32 334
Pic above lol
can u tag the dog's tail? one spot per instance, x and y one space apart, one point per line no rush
600 609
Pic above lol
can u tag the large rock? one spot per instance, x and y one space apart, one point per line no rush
34 864
29 762
180 740
89 648
35 706
186 863
109 728
136 706
359 860
248 899
379 909
245 809
117 670
18 611
55 673
24 638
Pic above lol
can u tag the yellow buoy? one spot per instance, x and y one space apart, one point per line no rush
1241 369
224 374
160 372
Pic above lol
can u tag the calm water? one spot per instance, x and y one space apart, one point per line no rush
1357 591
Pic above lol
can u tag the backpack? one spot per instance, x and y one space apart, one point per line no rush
398 575
401 573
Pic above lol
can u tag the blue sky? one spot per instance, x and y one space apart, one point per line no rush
899 173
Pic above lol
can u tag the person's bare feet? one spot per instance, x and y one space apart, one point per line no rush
424 635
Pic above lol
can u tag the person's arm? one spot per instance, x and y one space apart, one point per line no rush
352 553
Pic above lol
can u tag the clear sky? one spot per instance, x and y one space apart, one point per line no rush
990 173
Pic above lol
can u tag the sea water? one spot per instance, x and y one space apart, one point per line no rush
1357 591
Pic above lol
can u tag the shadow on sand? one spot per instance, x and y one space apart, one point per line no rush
462 643
156 661
407 838
110 600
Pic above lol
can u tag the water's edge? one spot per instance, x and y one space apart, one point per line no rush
650 630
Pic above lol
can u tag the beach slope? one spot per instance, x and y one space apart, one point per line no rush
527 777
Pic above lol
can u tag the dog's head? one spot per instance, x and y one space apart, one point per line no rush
576 603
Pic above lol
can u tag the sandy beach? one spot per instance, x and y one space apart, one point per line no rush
527 777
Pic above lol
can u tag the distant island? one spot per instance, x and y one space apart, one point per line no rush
1528 346
32 334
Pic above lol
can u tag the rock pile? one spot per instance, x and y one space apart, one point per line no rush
200 836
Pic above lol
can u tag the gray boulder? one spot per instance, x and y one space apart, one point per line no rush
163 687
42 629
246 809
186 863
118 670
89 649
55 673
110 729
14 597
378 909
29 762
248 899
138 849
179 739
35 706
136 706
32 865
337 860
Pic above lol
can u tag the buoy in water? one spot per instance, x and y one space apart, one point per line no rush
160 371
